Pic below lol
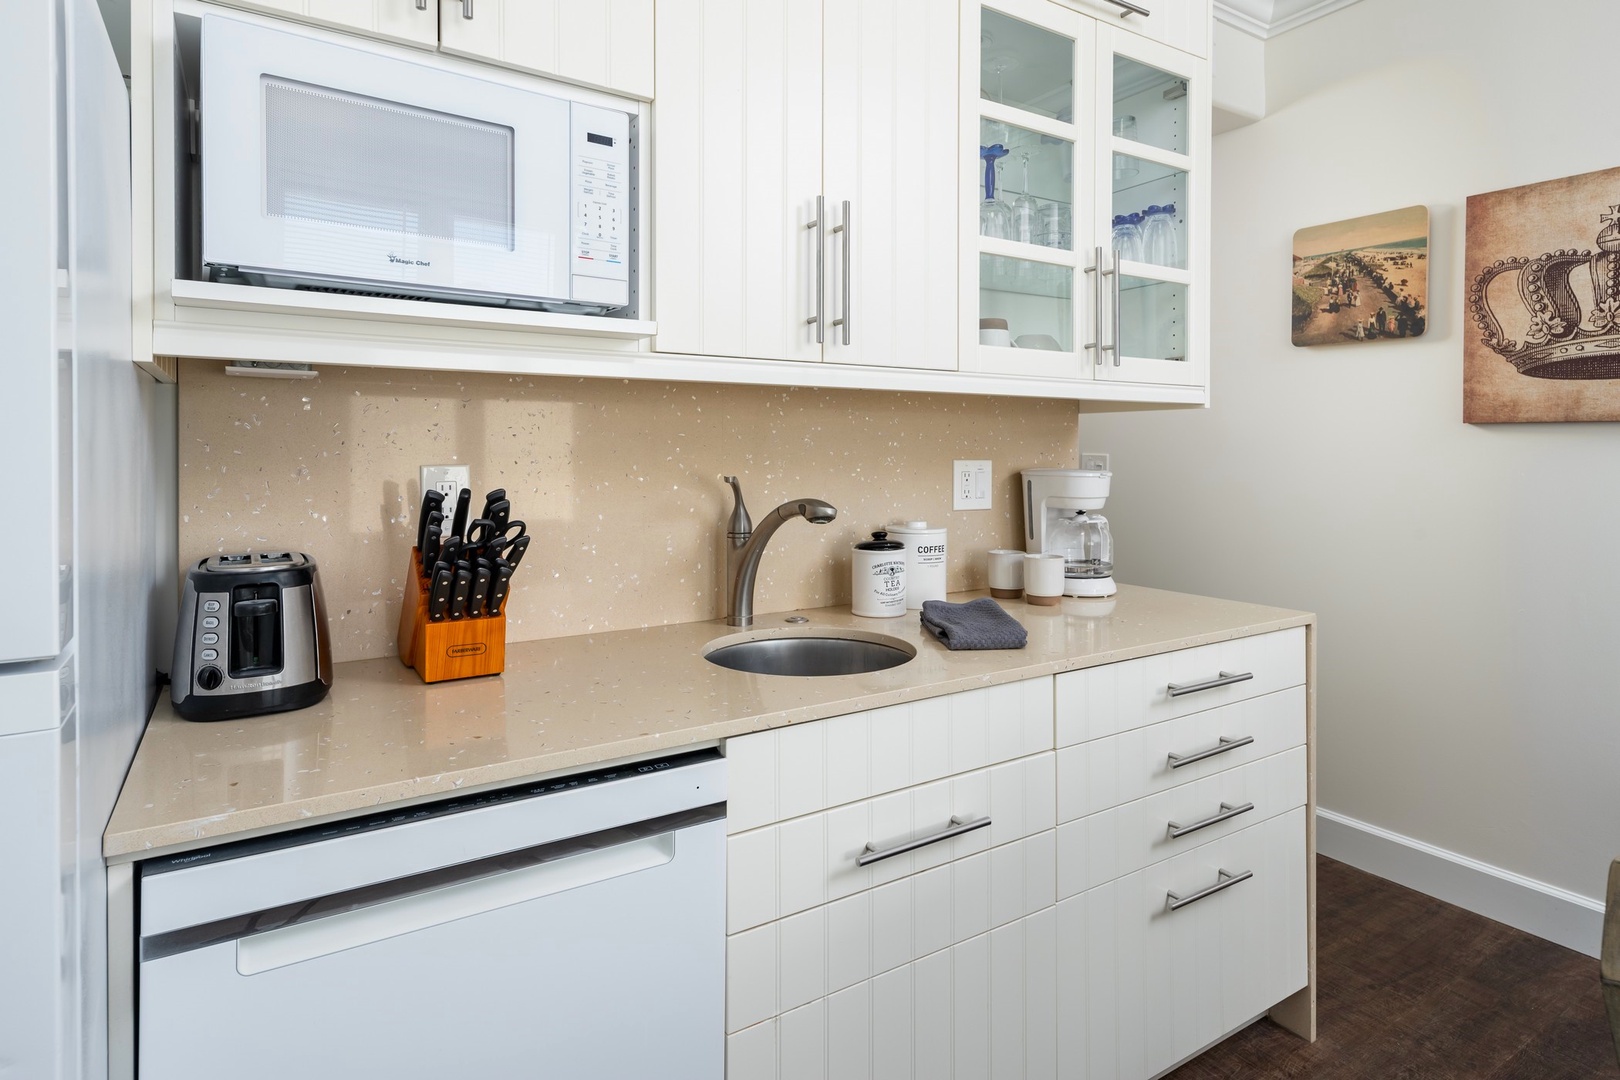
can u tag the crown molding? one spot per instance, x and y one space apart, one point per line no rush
1268 18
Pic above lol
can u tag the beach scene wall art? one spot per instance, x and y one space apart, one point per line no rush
1541 342
1363 279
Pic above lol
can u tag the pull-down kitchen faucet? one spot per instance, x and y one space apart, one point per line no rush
745 544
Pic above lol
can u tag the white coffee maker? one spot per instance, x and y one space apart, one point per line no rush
1060 518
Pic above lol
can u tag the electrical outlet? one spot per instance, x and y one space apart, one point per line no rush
1092 461
449 479
970 485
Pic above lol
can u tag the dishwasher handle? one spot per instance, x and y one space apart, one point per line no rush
257 953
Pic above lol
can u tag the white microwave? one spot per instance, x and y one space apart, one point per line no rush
338 167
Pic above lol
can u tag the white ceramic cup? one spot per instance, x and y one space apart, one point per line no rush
996 337
1006 573
1043 579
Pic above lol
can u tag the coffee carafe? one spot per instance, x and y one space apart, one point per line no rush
1060 517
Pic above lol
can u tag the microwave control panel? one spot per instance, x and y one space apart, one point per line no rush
600 260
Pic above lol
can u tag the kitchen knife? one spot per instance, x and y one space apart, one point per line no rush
491 499
459 593
499 513
439 598
458 524
480 591
499 586
430 548
451 551
514 554
432 501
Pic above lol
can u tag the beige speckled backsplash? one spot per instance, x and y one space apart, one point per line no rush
619 483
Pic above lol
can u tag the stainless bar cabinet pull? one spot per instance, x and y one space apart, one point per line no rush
846 230
1130 8
1114 348
467 10
956 828
421 5
817 319
1225 880
1227 678
1096 270
1178 760
1228 812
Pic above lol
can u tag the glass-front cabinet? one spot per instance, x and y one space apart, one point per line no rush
1086 149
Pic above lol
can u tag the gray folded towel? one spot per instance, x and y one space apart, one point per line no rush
977 624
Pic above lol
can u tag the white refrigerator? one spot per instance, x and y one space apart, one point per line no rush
87 452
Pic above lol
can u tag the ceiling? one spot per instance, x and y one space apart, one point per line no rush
1268 18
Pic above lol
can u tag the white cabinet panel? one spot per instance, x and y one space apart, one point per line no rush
970 1008
398 20
751 1054
751 977
738 165
890 152
1183 24
1101 701
1102 773
607 44
1106 845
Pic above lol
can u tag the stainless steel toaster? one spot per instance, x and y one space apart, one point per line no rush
251 637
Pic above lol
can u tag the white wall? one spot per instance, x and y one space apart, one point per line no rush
1467 578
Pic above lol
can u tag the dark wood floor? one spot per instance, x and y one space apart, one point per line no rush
1413 988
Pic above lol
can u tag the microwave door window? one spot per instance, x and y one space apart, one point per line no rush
374 189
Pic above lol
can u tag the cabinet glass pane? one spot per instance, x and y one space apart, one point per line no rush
1150 212
1152 319
1036 299
1150 106
1025 66
1026 196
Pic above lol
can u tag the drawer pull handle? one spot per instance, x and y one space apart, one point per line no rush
1130 8
956 828
1228 812
1178 760
1227 678
1172 902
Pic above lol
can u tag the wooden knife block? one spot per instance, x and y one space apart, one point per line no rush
450 648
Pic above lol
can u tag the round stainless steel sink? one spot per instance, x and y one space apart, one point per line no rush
834 652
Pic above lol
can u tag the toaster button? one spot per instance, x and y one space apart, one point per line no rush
209 678
210 605
210 623
210 639
210 654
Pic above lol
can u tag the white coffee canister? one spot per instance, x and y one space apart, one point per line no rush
878 577
925 561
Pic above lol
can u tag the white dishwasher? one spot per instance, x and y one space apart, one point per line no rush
569 928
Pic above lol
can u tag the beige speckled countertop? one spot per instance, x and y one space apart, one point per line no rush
381 737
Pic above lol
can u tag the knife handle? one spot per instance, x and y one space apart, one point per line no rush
514 554
459 593
430 548
458 526
480 592
491 499
439 597
500 586
499 512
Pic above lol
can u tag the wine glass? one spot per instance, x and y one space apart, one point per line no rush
1026 210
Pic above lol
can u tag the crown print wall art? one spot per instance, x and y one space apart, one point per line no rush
1365 279
1541 337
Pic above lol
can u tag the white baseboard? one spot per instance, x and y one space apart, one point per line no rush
1571 920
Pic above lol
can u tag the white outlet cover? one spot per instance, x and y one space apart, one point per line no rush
1093 461
449 479
970 485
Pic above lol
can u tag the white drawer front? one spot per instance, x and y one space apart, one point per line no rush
1143 987
783 965
1096 849
1094 776
788 772
796 865
1102 701
985 1007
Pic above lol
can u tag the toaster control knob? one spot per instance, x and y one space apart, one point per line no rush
209 678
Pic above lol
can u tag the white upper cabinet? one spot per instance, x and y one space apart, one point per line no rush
805 193
607 44
1087 150
415 22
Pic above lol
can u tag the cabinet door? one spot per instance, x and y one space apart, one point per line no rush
1025 168
607 44
415 22
1153 115
890 161
738 167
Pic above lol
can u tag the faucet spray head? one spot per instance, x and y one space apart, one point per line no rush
741 525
